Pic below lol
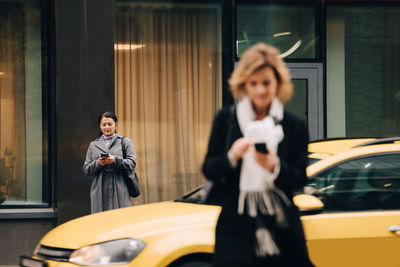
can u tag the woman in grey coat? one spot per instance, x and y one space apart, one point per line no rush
104 161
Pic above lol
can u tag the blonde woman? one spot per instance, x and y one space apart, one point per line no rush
258 152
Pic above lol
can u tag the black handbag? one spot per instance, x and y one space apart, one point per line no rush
130 177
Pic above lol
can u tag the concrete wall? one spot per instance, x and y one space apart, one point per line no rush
19 237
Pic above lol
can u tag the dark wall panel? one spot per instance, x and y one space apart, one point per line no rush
84 88
19 237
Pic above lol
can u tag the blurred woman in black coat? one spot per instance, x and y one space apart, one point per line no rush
259 224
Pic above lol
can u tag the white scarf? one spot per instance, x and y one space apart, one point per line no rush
256 183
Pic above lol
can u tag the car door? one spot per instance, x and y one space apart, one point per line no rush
360 225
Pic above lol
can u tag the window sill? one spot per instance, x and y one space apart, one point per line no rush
46 213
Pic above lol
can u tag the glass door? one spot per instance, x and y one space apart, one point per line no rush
307 101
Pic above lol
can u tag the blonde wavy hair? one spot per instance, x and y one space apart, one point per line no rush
255 58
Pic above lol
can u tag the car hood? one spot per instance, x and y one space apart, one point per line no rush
139 222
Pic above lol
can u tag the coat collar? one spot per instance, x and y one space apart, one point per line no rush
100 144
115 137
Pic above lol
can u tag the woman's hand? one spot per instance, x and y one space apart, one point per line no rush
240 147
267 161
106 161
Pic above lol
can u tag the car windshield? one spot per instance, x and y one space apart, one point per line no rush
193 196
313 157
312 161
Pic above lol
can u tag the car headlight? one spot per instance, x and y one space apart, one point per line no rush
113 252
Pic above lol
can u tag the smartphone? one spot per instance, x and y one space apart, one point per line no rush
261 147
104 155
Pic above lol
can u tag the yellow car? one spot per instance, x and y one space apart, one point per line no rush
350 206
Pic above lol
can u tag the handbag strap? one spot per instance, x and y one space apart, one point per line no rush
124 151
123 148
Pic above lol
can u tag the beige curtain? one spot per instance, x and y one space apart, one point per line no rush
12 102
168 87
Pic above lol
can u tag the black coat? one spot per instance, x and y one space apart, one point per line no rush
235 239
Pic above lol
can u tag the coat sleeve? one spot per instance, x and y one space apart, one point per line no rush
292 175
216 164
128 163
91 167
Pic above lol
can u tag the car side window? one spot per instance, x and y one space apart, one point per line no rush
367 183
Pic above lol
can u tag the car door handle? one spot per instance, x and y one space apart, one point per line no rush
395 229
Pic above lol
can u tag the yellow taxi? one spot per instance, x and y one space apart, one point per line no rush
350 207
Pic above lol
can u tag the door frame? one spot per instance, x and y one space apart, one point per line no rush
313 73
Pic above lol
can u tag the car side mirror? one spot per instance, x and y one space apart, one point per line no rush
308 204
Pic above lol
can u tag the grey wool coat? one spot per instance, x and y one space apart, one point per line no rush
108 190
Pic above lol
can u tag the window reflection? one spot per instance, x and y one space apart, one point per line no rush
362 184
362 70
291 28
22 152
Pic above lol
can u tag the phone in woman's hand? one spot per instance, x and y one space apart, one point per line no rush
261 147
103 155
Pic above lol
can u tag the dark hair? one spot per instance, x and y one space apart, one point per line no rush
107 114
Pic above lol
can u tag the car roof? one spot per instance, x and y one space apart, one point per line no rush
322 149
371 147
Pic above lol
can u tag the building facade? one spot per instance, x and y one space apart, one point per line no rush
163 66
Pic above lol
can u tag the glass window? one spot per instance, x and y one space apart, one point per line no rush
298 103
363 62
168 88
291 28
23 140
360 184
